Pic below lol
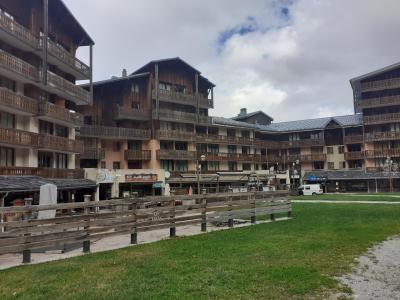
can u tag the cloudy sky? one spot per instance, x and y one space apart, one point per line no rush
290 58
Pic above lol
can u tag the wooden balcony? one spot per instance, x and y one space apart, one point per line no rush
175 135
356 155
68 89
123 113
353 139
18 69
137 155
10 29
382 136
302 143
18 138
378 102
181 98
382 153
116 133
183 117
43 172
223 139
17 104
61 144
57 114
374 169
93 153
380 85
267 144
301 158
381 119
233 157
176 154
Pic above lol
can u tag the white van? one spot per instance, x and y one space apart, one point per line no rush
310 189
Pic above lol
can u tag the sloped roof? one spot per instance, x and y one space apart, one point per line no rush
376 72
115 79
244 116
231 122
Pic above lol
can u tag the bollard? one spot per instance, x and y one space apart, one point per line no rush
204 212
230 220
272 216
172 229
26 256
252 197
86 246
289 214
134 238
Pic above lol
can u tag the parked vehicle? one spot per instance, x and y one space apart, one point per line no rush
310 189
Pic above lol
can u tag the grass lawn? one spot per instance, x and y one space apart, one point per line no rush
393 197
291 259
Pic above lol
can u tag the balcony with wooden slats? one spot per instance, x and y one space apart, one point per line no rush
59 144
223 139
382 153
374 169
378 102
233 157
124 113
377 85
93 153
176 154
182 117
355 155
60 115
302 143
182 98
300 158
18 138
382 118
382 136
268 144
43 172
353 139
17 104
137 155
116 133
175 135
16 68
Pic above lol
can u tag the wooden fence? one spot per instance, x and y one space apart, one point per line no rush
22 230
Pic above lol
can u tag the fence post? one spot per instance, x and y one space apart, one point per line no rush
172 229
134 239
204 212
230 220
252 199
86 243
272 215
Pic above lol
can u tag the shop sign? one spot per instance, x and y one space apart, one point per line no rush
141 178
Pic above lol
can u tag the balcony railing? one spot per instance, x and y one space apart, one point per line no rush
18 66
137 155
76 93
356 155
223 139
181 98
17 30
374 169
63 55
114 132
17 102
382 153
123 113
379 102
301 158
175 135
353 139
383 118
268 144
43 172
176 154
56 143
20 138
302 143
381 84
179 116
59 113
233 157
382 136
93 153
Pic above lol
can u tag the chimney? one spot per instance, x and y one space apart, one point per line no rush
243 112
124 73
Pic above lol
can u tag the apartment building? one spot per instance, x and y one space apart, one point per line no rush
39 99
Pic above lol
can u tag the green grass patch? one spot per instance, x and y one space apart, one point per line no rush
393 197
284 260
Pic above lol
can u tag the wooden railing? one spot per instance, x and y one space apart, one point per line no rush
17 30
56 112
93 153
63 55
233 157
16 137
356 155
353 139
379 136
75 92
382 153
175 135
114 132
302 143
176 154
56 143
223 139
18 66
179 116
268 144
123 113
137 155
374 169
381 84
379 102
181 98
383 118
23 231
18 102
300 157
42 172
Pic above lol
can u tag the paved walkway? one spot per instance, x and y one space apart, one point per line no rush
347 202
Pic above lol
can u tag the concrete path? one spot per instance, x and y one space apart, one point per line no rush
347 202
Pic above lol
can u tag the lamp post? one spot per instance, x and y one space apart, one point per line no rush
294 164
389 165
198 170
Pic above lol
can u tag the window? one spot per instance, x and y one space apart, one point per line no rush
88 120
45 160
213 166
342 165
232 165
213 148
341 149
246 134
246 167
180 89
181 166
165 145
7 83
7 120
164 86
134 145
135 105
7 156
116 147
331 165
246 150
103 165
181 146
135 88
116 165
167 165
201 148
232 149
62 131
329 150
46 127
61 161
318 165
231 132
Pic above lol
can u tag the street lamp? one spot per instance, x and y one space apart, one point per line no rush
294 164
389 165
198 170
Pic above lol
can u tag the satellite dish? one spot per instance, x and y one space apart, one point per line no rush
167 174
